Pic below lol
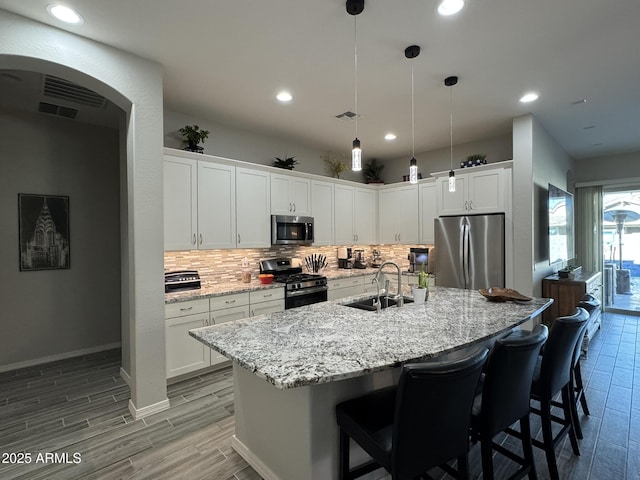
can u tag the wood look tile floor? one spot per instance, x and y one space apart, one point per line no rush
79 406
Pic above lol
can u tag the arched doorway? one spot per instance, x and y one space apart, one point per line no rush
135 85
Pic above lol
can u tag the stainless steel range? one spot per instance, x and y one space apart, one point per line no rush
300 288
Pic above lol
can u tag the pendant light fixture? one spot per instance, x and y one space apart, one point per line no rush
355 8
450 82
412 52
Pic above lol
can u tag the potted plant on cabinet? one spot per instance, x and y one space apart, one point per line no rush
372 171
287 163
335 162
193 135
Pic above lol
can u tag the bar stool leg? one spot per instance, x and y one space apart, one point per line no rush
580 388
344 456
527 449
573 405
547 437
486 451
568 408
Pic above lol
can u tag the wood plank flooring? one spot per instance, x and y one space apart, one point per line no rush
79 406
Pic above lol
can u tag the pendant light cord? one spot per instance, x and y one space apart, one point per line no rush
413 119
355 67
451 125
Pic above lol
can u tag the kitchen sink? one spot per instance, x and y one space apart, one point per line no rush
367 303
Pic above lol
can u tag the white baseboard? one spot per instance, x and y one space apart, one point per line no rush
125 376
148 410
59 356
257 464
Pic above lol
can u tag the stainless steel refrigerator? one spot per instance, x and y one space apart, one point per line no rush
470 251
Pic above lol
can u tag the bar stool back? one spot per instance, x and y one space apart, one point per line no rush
420 424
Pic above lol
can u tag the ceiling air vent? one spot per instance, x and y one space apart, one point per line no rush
348 115
59 88
59 110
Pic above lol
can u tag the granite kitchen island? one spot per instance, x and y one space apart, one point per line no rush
291 368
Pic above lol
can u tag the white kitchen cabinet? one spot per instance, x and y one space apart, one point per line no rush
398 215
322 211
180 203
263 302
216 206
344 213
345 287
290 195
253 208
355 215
185 354
427 211
227 308
477 192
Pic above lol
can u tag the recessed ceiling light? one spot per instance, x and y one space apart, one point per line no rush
390 136
450 7
284 96
529 97
65 14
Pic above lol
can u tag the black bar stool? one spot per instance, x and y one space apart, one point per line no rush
553 376
504 400
420 424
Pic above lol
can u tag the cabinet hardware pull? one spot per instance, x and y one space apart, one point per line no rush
470 204
294 207
290 208
229 301
194 239
186 309
267 296
238 238
200 239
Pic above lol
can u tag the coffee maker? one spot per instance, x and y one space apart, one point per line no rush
345 258
417 257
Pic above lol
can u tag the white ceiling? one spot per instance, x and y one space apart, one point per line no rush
226 60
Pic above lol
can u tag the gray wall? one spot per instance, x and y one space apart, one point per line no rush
53 312
624 167
237 144
497 149
538 160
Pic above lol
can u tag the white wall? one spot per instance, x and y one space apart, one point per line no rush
52 312
135 85
237 144
497 149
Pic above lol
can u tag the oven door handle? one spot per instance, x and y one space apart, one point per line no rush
306 291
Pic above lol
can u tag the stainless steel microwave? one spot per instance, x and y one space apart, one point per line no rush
291 230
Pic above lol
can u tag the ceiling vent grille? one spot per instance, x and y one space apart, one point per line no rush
62 89
348 115
58 110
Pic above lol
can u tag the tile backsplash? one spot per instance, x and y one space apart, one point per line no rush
225 266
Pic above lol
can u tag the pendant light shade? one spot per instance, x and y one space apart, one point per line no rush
450 82
356 156
355 8
413 170
412 52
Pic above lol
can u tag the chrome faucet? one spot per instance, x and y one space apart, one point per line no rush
398 298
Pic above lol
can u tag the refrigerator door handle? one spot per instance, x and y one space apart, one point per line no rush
465 256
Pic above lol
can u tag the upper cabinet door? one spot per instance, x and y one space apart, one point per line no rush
344 213
253 208
290 195
301 196
387 209
451 203
366 212
407 214
322 212
180 203
216 206
486 191
428 211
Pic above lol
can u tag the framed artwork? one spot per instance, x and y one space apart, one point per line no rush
43 231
